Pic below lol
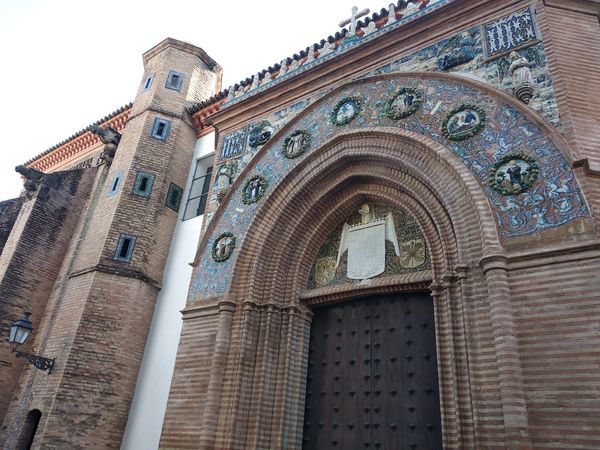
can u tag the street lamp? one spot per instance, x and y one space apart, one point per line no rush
19 332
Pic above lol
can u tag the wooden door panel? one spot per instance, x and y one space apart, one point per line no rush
372 376
405 358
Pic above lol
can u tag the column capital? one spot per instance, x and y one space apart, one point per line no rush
493 261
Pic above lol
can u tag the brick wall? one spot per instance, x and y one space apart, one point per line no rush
571 32
188 390
516 320
559 342
9 210
32 257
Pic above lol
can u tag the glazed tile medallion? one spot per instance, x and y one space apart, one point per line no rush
223 247
403 103
346 111
296 144
254 189
463 122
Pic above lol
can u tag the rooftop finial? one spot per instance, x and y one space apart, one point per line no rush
352 20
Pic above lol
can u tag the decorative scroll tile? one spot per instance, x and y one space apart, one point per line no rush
233 144
511 32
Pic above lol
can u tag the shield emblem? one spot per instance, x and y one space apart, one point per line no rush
366 250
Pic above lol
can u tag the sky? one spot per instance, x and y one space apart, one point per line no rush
67 63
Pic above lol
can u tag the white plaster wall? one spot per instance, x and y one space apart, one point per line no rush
149 403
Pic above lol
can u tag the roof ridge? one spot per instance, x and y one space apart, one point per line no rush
376 16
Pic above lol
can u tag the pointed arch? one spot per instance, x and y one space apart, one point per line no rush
383 164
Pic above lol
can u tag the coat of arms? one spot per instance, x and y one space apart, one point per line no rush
365 243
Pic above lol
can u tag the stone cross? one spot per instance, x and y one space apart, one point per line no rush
352 20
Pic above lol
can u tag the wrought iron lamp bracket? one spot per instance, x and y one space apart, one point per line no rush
38 361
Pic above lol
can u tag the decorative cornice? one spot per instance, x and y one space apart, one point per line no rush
199 117
78 144
120 271
417 281
182 46
581 6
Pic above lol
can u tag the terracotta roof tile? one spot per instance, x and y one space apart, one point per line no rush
383 13
80 132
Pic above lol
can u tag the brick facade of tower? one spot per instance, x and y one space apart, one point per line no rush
91 300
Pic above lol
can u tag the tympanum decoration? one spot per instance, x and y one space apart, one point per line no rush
463 122
296 144
254 189
223 247
404 103
513 174
346 111
365 243
394 241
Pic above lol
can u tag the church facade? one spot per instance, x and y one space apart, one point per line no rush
397 246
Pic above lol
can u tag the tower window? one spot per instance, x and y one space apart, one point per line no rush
143 184
115 184
174 81
160 129
125 247
174 197
148 82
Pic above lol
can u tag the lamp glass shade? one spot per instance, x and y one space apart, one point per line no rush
19 331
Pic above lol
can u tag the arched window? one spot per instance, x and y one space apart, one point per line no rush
29 428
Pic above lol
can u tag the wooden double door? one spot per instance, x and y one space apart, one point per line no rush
372 376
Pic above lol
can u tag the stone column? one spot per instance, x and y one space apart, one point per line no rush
290 428
217 374
462 336
455 392
446 364
510 377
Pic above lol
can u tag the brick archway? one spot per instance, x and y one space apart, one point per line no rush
256 391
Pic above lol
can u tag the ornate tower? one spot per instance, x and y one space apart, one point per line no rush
97 316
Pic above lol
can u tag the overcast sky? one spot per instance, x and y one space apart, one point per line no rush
67 63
